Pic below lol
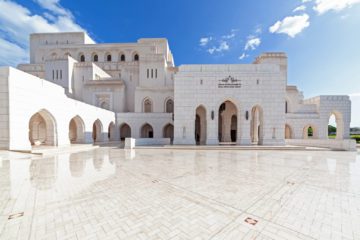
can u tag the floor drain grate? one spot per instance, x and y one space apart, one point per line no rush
16 215
251 221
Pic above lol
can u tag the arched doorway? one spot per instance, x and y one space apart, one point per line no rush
227 128
200 125
288 132
125 131
76 130
42 129
309 132
111 131
336 126
147 131
97 130
256 123
169 106
168 131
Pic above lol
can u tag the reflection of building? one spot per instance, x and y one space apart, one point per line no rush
43 173
77 164
105 92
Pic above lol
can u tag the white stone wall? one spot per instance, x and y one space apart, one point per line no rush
261 85
29 95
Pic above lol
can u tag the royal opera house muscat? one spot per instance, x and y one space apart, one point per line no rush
77 91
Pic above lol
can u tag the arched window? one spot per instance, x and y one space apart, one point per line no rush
286 107
169 106
122 57
108 58
136 57
147 105
95 58
82 58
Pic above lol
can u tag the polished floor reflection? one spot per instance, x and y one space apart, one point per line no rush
111 193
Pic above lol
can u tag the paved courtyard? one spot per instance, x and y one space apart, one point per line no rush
112 193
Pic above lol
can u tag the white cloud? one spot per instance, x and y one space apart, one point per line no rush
252 43
242 56
17 22
204 41
306 1
291 25
300 8
10 53
323 6
54 6
223 46
229 36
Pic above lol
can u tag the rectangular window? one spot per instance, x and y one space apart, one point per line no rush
57 74
152 73
53 74
60 74
155 73
147 73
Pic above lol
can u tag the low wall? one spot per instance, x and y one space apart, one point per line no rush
133 142
345 144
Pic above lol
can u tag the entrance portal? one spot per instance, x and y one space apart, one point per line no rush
227 129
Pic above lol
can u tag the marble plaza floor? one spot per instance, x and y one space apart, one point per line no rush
111 193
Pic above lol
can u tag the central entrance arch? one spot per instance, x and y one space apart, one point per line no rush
200 125
227 128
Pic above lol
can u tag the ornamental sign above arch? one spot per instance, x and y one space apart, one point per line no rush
229 82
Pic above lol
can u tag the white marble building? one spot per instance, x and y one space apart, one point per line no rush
77 91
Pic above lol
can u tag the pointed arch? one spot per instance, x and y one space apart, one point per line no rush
310 132
169 105
77 130
227 122
111 131
97 131
168 131
136 57
125 131
43 129
147 105
146 131
339 121
200 132
288 132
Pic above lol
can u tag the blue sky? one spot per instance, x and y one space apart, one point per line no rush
320 37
